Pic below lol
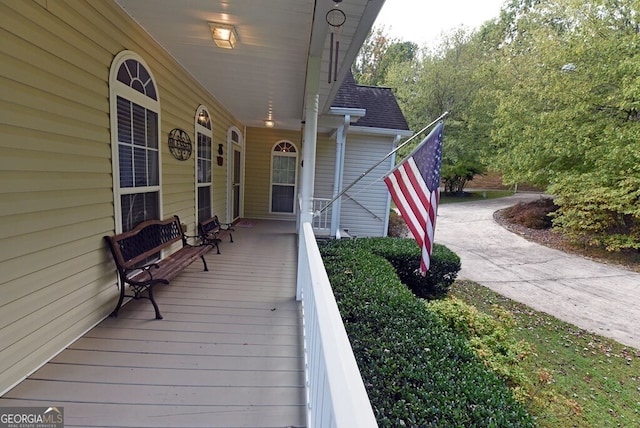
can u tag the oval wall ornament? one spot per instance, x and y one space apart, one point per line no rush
180 144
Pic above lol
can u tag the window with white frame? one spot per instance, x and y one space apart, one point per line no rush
135 117
204 138
284 161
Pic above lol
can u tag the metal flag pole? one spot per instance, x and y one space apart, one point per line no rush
335 198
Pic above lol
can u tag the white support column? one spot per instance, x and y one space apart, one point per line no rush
310 140
307 177
341 140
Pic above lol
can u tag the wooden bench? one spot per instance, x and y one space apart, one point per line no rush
137 257
212 231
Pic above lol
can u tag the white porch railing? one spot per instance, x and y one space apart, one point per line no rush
321 222
336 396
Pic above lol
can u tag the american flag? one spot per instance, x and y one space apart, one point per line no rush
414 187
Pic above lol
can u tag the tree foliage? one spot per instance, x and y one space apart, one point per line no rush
548 94
378 53
445 80
570 116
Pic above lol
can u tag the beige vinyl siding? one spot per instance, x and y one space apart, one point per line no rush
365 213
56 196
259 144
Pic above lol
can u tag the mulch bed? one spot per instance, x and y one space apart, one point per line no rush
629 260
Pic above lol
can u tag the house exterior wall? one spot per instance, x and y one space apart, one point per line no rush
56 196
366 212
325 169
260 144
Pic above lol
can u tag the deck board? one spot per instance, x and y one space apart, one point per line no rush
228 352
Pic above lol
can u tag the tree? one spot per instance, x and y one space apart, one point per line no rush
571 116
444 80
378 53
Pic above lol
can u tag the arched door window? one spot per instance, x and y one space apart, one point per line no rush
135 118
284 174
204 138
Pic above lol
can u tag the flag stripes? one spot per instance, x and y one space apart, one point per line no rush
416 201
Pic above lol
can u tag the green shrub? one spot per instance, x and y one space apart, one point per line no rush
404 255
417 372
489 336
397 226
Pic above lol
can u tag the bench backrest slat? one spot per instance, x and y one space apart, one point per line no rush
143 241
208 226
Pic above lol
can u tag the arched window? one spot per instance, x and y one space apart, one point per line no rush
284 174
204 138
135 122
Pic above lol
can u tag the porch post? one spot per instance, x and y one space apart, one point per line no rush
309 146
308 168
341 137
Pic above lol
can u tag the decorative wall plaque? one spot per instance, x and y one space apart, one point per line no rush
180 144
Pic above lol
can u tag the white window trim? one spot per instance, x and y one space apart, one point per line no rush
209 132
295 185
117 88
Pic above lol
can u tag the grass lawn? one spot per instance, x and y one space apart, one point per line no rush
585 380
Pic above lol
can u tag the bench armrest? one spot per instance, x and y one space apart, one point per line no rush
134 272
197 240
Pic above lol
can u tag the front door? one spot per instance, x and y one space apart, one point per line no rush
236 187
235 146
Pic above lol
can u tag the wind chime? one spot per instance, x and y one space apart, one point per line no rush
335 18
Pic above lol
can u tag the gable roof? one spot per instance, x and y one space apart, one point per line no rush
382 109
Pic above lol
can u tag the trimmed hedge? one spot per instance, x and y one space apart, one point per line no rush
404 255
416 371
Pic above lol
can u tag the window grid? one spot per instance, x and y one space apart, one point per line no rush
136 143
204 165
284 161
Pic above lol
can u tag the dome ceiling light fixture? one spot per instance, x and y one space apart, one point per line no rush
224 35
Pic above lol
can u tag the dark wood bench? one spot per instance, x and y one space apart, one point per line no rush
212 231
137 257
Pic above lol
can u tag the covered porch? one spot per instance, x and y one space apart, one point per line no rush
229 352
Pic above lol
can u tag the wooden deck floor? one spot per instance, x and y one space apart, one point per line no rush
228 352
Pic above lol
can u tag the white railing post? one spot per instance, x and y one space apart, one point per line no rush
321 219
336 395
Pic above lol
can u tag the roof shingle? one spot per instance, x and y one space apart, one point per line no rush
380 103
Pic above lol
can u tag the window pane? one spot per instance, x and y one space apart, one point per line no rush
153 178
150 90
125 157
236 167
139 126
204 203
152 129
140 167
282 199
137 208
284 169
290 170
124 120
204 158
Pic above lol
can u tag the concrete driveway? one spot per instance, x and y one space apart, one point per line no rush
594 296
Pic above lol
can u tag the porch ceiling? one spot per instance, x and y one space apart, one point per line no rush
266 74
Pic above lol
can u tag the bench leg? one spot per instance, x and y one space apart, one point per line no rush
120 300
153 302
206 268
